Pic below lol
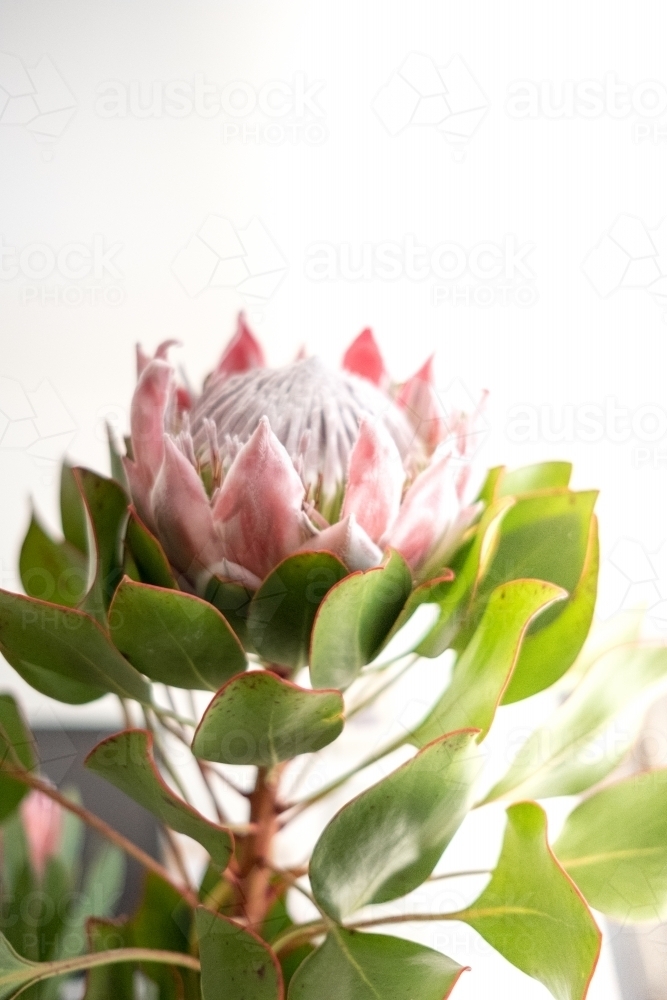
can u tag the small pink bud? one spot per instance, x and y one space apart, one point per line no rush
374 481
42 821
258 511
242 353
363 358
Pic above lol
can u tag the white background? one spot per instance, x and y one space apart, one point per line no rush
331 172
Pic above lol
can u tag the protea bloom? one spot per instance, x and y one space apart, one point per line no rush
42 822
267 462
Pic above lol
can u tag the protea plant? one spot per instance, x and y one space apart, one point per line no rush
294 542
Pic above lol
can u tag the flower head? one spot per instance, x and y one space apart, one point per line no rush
43 823
266 462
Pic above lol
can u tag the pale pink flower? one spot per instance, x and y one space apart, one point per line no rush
267 462
43 823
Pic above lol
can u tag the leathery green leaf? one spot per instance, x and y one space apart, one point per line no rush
485 667
544 536
126 761
235 963
50 570
174 638
233 602
614 846
282 612
354 621
16 746
387 841
469 565
64 653
72 510
548 653
533 914
258 718
148 554
527 479
576 747
106 505
355 966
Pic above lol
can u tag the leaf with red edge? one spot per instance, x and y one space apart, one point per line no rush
235 963
106 505
355 966
258 718
126 761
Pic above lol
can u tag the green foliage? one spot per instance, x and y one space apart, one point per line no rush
257 718
173 637
614 845
126 760
514 609
354 621
389 839
16 746
532 913
282 612
354 966
235 963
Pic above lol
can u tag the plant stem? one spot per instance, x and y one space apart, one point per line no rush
47 970
374 695
93 821
253 869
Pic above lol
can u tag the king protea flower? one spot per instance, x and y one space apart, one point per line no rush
267 462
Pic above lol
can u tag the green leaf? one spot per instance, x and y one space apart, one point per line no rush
101 891
542 476
282 612
72 510
549 652
235 963
533 914
64 653
52 571
544 536
387 841
106 506
576 747
354 622
174 638
614 846
258 718
161 921
148 554
485 667
15 742
355 966
233 602
16 972
126 761
455 602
